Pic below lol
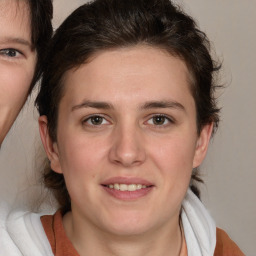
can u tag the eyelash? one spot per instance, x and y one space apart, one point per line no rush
5 52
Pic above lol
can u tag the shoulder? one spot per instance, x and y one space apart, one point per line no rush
22 233
7 245
225 246
8 233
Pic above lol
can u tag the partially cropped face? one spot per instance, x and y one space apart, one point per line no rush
127 140
17 61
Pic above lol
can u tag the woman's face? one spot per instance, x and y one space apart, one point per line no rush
127 140
17 61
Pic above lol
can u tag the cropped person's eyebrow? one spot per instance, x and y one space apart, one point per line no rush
93 104
163 104
15 40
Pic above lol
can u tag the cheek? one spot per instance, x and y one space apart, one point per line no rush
76 167
80 156
15 83
81 165
175 154
174 161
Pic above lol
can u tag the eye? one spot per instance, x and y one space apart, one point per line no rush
95 120
160 120
10 53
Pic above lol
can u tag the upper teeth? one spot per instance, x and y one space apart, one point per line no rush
126 187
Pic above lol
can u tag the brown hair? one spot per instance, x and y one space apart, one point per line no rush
41 12
107 24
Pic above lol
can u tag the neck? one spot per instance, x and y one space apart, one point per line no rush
90 240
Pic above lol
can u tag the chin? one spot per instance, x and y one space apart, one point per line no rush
129 224
128 230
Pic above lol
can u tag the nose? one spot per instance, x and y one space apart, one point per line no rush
127 147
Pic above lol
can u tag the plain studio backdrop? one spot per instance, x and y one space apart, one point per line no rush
229 170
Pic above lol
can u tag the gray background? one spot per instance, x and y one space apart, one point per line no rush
229 170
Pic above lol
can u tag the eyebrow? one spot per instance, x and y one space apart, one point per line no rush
163 104
145 106
16 40
93 104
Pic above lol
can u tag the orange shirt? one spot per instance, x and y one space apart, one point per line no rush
225 246
53 227
62 246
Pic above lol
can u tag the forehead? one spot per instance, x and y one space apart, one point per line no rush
14 8
14 19
128 73
128 61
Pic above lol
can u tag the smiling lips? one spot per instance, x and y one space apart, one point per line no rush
127 188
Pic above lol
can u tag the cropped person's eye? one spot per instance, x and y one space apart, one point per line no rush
160 120
95 120
10 53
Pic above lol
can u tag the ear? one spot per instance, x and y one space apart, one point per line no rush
50 147
202 144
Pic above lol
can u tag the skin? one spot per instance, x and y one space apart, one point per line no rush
17 61
129 141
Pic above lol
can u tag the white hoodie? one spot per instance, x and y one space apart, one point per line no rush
21 233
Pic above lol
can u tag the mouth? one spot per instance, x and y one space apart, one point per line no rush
127 188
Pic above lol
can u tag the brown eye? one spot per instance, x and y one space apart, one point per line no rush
10 53
96 120
159 120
